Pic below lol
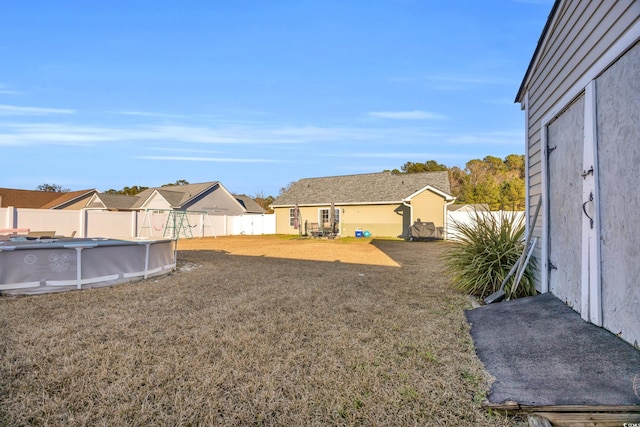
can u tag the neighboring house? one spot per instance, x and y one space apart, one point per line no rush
112 202
581 95
32 199
384 204
209 197
250 205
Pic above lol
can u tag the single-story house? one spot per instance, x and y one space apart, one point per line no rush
250 205
112 202
581 97
384 204
32 199
210 197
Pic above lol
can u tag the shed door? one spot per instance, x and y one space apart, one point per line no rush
618 122
565 137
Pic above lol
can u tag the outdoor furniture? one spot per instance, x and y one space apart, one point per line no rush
313 229
424 231
40 235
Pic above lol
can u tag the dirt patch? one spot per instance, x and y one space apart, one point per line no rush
352 251
249 340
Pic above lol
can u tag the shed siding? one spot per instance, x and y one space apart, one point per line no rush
580 34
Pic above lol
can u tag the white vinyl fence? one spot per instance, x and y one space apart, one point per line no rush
470 217
155 224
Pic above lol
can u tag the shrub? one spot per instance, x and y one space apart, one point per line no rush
486 249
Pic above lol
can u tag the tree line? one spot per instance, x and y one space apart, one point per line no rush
499 183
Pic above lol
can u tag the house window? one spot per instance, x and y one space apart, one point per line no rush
292 216
323 215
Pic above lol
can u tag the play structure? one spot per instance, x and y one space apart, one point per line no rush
175 224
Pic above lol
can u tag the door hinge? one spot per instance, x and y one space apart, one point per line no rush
550 266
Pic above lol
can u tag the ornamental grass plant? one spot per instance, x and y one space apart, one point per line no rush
486 249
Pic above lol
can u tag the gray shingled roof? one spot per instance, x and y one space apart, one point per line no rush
176 195
249 204
114 201
364 188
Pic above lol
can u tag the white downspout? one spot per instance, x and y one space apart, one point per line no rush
404 202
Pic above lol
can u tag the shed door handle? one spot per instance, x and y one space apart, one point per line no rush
584 209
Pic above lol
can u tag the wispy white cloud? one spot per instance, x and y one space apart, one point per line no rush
184 150
497 137
71 134
464 82
16 134
173 137
14 110
407 115
4 89
151 114
399 155
207 159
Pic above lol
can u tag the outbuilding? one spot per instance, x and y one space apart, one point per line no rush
581 97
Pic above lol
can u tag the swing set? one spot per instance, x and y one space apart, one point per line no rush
176 225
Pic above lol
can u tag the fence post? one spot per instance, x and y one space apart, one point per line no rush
11 217
83 223
134 225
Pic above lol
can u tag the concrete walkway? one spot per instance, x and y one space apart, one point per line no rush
542 353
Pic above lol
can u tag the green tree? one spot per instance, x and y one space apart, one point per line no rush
264 201
178 182
54 188
428 166
127 191
491 180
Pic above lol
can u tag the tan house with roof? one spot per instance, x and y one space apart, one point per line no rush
33 199
210 197
384 204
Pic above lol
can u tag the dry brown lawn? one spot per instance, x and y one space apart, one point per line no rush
249 334
349 250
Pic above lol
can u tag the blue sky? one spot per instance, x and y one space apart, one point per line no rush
255 93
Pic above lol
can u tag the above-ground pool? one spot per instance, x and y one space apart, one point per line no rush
53 265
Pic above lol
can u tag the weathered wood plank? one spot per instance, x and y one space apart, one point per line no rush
515 406
578 419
